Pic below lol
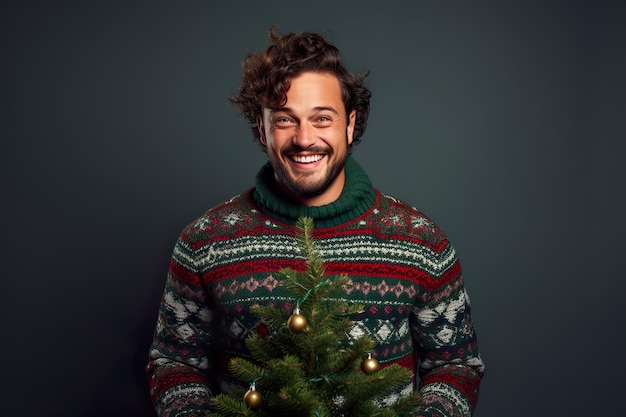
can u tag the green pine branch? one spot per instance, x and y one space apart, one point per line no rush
228 406
316 372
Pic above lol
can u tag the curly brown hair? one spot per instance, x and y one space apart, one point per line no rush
266 77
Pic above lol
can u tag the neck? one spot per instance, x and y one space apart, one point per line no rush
355 197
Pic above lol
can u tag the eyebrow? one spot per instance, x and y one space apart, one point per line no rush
316 109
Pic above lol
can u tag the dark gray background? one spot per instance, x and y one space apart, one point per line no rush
504 122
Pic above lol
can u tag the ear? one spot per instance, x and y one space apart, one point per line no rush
259 124
350 129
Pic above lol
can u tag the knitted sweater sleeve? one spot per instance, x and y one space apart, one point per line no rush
450 367
178 369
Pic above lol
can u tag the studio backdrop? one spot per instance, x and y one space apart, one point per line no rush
502 121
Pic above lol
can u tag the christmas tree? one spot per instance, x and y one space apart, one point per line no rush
308 366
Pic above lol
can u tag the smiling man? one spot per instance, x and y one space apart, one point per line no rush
307 111
307 140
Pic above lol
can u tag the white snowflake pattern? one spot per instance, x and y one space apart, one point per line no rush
395 219
202 223
419 222
185 332
445 335
384 331
449 311
236 329
232 218
356 331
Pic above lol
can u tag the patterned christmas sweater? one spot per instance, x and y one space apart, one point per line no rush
401 266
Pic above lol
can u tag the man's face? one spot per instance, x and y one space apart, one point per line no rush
307 140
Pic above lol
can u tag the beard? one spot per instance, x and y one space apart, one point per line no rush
309 185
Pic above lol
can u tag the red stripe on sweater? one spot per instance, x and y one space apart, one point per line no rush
251 267
183 274
333 268
395 271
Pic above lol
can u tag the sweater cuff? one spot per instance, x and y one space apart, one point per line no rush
443 400
188 400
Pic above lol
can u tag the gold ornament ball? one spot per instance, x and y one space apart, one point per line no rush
297 323
252 398
369 366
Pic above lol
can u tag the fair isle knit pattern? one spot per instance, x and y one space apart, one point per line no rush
401 266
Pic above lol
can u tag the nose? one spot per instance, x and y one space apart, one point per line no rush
304 135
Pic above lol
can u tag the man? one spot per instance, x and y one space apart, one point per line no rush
307 111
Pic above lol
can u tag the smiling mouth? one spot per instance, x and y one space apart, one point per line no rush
306 159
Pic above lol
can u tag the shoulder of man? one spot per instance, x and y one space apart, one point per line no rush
225 220
399 218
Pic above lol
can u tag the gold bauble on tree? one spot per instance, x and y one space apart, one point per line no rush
297 322
252 397
370 365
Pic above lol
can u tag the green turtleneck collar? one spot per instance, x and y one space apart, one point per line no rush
356 198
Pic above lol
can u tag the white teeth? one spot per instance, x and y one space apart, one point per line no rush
306 159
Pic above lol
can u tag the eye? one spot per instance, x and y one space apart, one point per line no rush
322 121
282 120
